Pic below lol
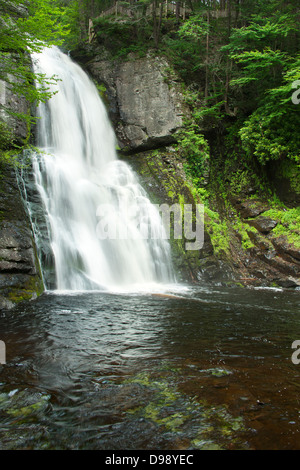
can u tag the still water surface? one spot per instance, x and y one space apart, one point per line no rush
209 368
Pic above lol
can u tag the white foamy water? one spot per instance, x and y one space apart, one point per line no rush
78 172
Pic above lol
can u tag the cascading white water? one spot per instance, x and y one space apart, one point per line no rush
77 173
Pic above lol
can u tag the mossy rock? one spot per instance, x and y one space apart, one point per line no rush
202 425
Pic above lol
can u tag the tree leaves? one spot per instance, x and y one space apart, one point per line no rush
24 31
266 65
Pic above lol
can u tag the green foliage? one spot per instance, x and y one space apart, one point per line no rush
195 150
267 65
242 230
288 224
184 55
195 27
218 231
122 38
209 115
22 34
238 71
271 132
239 180
260 67
42 25
6 136
249 75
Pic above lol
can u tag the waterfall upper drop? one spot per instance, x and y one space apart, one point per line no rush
76 173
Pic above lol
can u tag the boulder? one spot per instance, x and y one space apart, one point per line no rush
251 208
145 105
263 224
284 247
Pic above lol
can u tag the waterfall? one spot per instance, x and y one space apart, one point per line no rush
89 196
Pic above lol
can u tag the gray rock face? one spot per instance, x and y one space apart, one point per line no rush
16 251
13 9
20 277
263 224
16 104
8 100
41 231
146 106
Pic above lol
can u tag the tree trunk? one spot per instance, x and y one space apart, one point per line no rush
207 52
160 21
177 11
82 20
229 17
155 25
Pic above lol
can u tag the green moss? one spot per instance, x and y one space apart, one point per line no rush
291 237
23 405
33 287
290 170
184 191
241 179
218 372
202 444
242 231
172 423
205 426
218 231
161 165
27 410
158 410
288 224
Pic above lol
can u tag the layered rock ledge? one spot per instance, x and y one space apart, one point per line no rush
20 275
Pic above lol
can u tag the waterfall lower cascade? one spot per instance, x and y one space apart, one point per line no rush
90 196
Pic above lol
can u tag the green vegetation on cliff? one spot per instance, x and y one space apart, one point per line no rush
240 71
238 62
25 28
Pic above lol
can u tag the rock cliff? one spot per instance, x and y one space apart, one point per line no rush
8 100
244 244
20 276
146 105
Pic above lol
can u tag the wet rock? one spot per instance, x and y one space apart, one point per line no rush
17 104
251 208
262 243
263 224
283 266
11 104
283 246
5 304
20 276
16 249
288 282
